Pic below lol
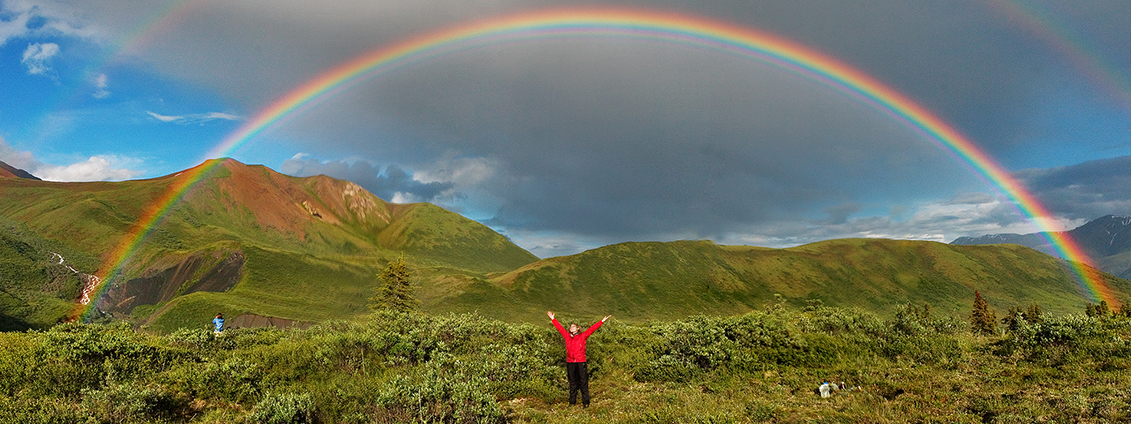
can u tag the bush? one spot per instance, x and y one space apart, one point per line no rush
461 368
1059 338
440 393
285 408
122 403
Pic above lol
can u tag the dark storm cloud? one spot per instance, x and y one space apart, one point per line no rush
613 139
589 146
1084 191
972 62
385 185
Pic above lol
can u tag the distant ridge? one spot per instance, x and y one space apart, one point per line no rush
9 171
656 280
1107 240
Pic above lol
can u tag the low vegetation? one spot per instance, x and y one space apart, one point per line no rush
763 366
38 281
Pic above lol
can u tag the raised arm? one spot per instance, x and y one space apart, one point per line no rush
557 324
596 326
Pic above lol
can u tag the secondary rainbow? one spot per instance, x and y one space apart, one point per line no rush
638 24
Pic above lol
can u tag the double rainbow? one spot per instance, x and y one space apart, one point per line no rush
634 24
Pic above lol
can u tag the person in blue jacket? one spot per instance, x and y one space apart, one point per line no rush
219 322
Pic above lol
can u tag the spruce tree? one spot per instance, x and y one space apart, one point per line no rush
1033 314
982 319
396 289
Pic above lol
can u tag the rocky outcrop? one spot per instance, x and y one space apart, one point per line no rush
160 283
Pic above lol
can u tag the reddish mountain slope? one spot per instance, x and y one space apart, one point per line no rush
9 171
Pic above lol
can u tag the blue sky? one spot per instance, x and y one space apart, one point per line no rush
565 145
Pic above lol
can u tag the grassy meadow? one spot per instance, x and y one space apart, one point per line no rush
762 366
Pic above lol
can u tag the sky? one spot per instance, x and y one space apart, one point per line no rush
570 143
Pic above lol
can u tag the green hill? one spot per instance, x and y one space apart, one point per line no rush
246 239
642 281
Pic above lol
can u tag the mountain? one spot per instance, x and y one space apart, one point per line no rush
8 171
248 240
640 281
1106 240
260 246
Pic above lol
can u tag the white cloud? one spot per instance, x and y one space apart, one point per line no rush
97 168
162 118
13 28
101 81
37 55
22 160
965 214
195 118
402 197
27 18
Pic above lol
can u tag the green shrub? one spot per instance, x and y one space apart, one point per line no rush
440 393
451 368
39 410
234 378
193 338
284 408
123 403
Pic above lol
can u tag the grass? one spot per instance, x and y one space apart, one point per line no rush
642 281
763 366
36 291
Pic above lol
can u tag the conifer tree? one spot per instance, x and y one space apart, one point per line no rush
982 319
396 289
1033 314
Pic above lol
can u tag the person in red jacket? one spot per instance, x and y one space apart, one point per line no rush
577 371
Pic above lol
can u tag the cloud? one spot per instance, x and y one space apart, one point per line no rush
1083 191
195 118
101 81
1073 194
394 184
19 159
14 27
608 139
33 18
37 56
95 168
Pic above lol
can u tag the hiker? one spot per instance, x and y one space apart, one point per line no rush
577 371
219 322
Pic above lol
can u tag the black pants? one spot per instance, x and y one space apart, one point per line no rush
578 375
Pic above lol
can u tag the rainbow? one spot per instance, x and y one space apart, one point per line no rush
1042 23
636 24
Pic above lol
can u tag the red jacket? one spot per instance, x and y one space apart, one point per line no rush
575 345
